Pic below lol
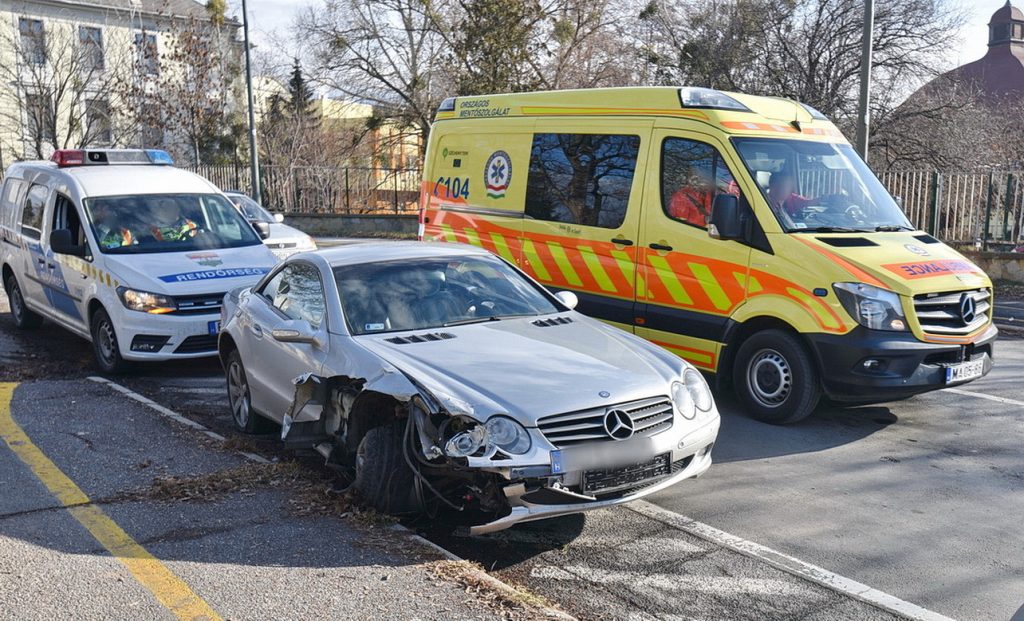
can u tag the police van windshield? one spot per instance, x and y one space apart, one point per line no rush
150 223
816 187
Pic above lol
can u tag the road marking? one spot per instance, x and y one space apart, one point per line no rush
670 583
168 588
171 414
981 395
787 563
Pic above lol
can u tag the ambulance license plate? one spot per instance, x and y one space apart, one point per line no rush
214 327
965 371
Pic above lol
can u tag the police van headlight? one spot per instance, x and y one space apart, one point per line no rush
146 302
872 307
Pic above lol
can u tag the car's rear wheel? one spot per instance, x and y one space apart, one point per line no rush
383 478
104 344
776 378
239 398
23 317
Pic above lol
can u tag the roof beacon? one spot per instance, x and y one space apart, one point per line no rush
694 97
99 157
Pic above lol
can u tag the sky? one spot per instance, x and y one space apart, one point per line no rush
975 34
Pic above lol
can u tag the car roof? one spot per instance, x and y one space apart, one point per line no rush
129 179
372 252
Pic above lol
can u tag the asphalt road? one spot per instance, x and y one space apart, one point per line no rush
920 499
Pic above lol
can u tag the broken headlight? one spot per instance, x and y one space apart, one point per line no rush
499 432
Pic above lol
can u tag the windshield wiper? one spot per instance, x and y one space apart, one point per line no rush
829 229
892 228
465 322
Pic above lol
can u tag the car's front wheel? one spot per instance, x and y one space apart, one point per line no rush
23 317
776 378
104 344
383 477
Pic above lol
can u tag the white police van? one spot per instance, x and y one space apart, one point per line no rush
125 250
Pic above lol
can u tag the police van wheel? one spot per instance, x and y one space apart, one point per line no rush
239 399
24 318
776 378
104 344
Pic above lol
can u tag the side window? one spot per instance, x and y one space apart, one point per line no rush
32 212
297 292
692 174
10 202
65 216
581 178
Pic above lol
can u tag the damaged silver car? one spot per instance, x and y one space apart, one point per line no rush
442 376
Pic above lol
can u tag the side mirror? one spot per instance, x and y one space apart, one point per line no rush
725 218
568 299
262 229
295 331
279 218
63 242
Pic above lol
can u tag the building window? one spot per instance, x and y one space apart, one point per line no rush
33 40
39 119
145 45
97 122
692 174
90 41
152 127
581 178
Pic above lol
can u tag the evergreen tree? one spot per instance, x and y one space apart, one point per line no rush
300 96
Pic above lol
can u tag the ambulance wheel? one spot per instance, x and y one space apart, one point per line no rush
239 399
104 344
775 378
24 318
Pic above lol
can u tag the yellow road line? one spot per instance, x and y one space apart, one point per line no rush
168 589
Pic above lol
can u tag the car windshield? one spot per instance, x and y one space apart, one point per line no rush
252 210
392 296
815 186
147 223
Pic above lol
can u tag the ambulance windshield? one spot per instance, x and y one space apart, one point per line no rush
819 187
148 223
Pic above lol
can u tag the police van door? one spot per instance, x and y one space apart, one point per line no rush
33 260
693 282
583 209
66 275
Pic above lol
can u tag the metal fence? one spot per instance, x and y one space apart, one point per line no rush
963 207
324 190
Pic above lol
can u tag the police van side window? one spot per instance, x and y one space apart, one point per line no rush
32 212
692 174
582 179
65 216
10 202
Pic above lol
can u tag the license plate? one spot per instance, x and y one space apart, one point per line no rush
965 371
595 481
214 327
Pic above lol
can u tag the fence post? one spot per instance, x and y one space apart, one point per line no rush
348 205
933 208
988 211
394 184
295 190
1007 200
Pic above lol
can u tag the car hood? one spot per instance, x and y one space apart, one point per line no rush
282 233
529 371
192 273
903 262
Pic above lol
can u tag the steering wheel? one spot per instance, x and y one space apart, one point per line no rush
855 213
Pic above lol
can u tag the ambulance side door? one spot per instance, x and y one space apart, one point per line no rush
584 196
691 283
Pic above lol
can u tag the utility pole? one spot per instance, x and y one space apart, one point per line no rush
254 156
863 114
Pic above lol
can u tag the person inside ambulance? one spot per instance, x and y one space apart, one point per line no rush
169 224
692 202
110 233
782 194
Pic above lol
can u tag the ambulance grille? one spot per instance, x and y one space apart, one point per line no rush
944 313
649 416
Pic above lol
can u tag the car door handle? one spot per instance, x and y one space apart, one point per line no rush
622 242
257 329
661 247
52 266
40 261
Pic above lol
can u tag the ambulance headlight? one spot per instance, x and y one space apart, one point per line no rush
146 302
872 307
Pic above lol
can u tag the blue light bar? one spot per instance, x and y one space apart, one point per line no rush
158 156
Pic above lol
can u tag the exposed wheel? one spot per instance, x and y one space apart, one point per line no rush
24 318
104 344
383 477
776 378
245 419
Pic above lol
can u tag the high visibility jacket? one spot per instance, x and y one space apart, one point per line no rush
175 232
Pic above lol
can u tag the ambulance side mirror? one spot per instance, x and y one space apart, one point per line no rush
726 222
262 229
63 242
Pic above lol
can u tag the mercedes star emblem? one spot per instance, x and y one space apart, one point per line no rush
618 424
967 308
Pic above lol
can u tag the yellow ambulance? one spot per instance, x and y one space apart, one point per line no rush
742 233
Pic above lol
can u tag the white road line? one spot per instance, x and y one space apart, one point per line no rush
171 414
787 563
981 395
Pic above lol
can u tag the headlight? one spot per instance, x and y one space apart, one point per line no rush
508 435
698 389
146 302
465 443
306 244
683 401
872 307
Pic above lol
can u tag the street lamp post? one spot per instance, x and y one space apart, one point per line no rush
254 156
863 115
